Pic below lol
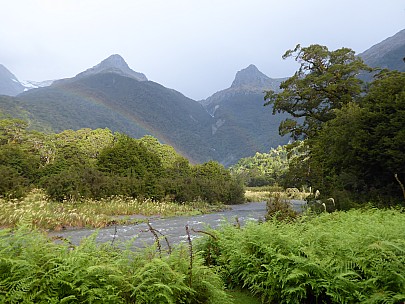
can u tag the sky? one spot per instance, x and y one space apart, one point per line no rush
193 46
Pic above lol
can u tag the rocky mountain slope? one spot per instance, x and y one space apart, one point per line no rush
388 54
243 126
9 84
115 64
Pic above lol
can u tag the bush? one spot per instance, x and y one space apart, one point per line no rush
74 183
279 209
12 184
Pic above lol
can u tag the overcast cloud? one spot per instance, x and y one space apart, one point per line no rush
193 46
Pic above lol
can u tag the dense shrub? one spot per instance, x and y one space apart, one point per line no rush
12 184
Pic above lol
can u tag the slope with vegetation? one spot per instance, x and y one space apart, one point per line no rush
112 95
242 126
37 270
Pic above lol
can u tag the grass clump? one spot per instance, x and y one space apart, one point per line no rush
342 257
264 193
41 212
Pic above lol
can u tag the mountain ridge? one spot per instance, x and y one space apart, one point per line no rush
228 125
387 54
249 80
240 110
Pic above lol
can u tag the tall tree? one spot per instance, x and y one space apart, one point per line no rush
325 80
362 148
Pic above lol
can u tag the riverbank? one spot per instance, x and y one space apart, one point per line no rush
38 211
173 228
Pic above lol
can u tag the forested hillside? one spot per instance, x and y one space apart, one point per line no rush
112 95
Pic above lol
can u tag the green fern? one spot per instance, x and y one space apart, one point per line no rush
35 270
342 257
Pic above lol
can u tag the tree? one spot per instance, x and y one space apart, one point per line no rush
325 80
362 148
263 168
216 184
167 154
128 157
12 130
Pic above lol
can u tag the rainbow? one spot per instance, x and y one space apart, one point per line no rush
95 98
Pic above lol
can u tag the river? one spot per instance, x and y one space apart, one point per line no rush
173 228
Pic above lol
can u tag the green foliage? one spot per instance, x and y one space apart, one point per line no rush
342 257
167 155
36 270
11 130
216 184
128 157
360 150
98 164
352 133
326 80
74 183
269 168
18 170
243 297
278 208
12 184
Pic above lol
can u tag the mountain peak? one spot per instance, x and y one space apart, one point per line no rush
115 64
250 76
114 61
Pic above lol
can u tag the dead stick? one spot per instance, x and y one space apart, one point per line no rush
153 231
402 186
190 268
205 232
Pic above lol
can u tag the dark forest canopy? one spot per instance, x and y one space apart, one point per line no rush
99 163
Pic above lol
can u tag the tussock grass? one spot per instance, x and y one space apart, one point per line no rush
40 212
260 194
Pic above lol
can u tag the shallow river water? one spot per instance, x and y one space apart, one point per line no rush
173 228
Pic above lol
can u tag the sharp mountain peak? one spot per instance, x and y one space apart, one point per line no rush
114 61
250 76
116 64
